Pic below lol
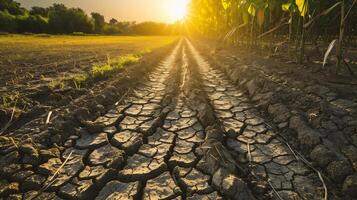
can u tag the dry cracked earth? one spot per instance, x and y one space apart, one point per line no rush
184 132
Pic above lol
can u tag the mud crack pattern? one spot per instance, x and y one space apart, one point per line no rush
155 145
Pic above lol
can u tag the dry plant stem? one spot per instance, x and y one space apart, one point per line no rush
318 173
48 117
340 39
52 179
13 141
8 124
249 153
276 192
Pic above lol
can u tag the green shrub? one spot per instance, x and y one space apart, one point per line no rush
7 22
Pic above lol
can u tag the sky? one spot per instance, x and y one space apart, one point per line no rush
123 10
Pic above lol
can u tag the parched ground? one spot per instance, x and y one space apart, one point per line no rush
186 125
35 70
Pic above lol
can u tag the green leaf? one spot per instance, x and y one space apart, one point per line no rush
226 4
303 6
252 10
286 7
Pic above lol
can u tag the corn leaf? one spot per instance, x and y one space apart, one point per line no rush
302 5
286 7
226 4
328 51
251 10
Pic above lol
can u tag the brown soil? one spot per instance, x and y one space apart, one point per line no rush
187 124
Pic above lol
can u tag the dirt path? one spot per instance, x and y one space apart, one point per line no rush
186 132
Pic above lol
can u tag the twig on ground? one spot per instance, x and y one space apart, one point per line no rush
318 173
13 141
219 154
324 185
8 124
249 153
122 98
48 117
276 192
292 151
52 178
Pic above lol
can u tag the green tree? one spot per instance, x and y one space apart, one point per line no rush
39 11
113 21
32 23
99 22
12 7
64 20
7 22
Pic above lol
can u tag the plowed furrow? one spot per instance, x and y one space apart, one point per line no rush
254 143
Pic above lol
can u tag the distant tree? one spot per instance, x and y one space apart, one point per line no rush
63 20
12 7
150 28
7 22
99 22
113 21
39 11
32 23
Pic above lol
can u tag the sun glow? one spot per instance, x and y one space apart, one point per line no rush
178 10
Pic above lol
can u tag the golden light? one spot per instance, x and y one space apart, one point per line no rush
178 9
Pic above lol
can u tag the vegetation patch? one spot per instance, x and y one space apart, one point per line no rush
98 71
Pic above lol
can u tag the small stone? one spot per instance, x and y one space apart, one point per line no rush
308 138
30 154
339 170
322 155
350 186
230 185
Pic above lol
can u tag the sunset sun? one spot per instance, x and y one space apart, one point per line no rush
178 9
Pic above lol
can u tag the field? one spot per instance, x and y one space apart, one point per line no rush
35 64
192 119
22 57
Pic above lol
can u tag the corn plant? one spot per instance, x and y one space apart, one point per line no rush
250 22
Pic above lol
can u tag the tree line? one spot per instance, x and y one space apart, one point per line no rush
58 19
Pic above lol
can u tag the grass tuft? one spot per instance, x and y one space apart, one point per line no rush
113 65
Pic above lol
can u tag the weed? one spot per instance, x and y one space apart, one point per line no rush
9 99
78 80
113 65
101 70
56 84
